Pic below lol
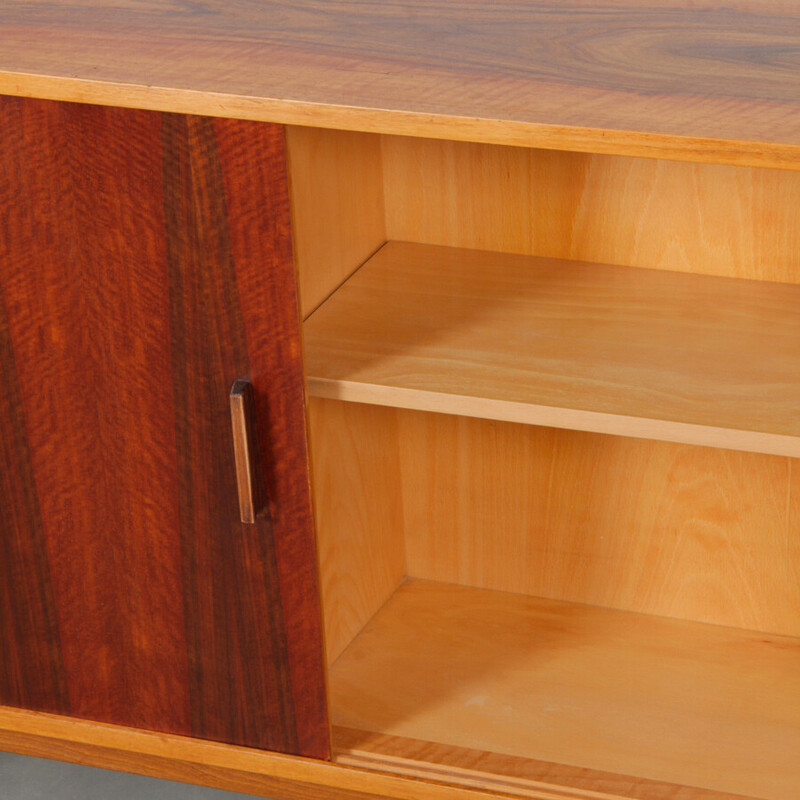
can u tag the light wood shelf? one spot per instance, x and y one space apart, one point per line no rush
473 681
644 353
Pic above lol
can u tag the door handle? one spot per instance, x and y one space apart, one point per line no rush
249 479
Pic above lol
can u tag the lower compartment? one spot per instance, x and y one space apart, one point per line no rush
516 693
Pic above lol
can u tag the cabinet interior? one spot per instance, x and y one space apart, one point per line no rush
540 580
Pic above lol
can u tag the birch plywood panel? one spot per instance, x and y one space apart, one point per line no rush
739 222
671 530
337 207
678 531
359 512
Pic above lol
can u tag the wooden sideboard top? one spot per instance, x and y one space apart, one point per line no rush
699 80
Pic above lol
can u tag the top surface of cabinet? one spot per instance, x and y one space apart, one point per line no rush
686 79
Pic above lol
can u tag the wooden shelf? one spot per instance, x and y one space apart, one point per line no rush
635 352
582 689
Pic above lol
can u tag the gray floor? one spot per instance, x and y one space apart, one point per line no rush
24 778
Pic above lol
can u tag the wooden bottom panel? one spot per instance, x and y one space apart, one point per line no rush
675 702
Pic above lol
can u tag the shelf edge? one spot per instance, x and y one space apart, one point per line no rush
556 417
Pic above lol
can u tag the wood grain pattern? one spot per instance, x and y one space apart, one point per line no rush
685 532
359 513
644 353
524 777
683 703
665 78
222 766
32 668
699 218
338 218
146 265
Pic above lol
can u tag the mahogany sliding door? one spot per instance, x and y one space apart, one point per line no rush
146 265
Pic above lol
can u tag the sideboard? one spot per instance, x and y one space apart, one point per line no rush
401 400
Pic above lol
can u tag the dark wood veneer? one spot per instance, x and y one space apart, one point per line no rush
145 264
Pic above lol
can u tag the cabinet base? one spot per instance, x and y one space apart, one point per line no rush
212 764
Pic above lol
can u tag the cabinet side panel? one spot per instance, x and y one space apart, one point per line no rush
359 511
337 207
126 250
